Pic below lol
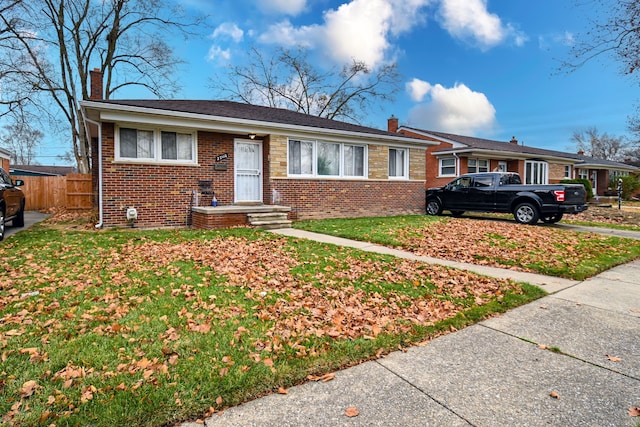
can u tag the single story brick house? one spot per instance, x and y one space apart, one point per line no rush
455 155
5 158
167 159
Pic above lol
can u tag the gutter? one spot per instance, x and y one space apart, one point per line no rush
100 197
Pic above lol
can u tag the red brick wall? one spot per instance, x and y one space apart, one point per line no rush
314 199
162 194
208 222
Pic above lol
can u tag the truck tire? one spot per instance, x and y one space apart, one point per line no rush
526 213
552 219
18 221
2 225
434 207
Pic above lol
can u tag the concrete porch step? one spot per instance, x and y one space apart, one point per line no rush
268 220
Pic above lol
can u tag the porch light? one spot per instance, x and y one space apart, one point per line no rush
252 135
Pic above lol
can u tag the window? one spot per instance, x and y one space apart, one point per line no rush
477 165
536 172
327 159
448 166
483 181
155 145
583 173
176 146
398 163
353 160
567 171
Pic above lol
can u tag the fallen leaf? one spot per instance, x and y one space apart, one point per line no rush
219 400
555 395
352 412
614 358
542 347
28 388
282 390
634 411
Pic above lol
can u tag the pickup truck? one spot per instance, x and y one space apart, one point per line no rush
11 202
504 192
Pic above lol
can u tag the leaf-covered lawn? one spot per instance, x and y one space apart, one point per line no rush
151 327
499 243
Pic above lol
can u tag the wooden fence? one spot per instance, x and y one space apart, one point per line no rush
72 191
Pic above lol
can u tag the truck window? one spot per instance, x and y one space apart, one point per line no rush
483 181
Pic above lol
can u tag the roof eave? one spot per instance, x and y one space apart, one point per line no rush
118 112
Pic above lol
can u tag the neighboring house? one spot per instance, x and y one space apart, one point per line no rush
165 158
5 158
456 155
41 170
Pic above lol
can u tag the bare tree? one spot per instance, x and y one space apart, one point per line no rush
288 80
48 47
614 33
602 146
22 141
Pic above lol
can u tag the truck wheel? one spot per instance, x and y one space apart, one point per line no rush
552 219
18 221
434 207
1 224
526 213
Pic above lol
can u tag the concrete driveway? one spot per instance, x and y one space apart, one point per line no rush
30 218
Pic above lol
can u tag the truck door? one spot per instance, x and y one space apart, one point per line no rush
481 193
458 191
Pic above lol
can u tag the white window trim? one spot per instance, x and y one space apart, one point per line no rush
157 146
404 177
570 170
545 177
477 166
455 167
314 165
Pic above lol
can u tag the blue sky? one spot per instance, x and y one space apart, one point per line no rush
486 68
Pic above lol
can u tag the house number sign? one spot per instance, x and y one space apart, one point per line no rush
222 157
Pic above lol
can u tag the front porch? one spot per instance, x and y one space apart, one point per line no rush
265 217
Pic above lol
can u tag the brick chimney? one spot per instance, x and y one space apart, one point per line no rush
514 140
95 81
392 124
580 153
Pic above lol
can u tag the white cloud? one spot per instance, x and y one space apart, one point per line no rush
285 34
360 29
470 20
228 29
285 7
216 52
418 89
455 110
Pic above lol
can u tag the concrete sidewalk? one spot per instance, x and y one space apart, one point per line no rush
581 344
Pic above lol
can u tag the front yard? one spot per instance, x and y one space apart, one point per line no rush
490 241
131 327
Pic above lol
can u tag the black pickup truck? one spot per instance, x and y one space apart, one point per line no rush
504 192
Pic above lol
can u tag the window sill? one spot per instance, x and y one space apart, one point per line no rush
153 162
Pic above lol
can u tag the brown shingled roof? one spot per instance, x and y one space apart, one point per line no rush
258 113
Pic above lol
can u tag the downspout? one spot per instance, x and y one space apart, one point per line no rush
86 129
457 164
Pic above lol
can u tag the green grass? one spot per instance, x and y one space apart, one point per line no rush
147 328
544 250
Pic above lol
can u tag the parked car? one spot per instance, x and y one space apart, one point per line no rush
504 192
11 202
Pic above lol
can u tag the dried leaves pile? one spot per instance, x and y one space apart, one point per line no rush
503 244
272 301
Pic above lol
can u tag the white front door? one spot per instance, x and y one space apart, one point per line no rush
248 171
